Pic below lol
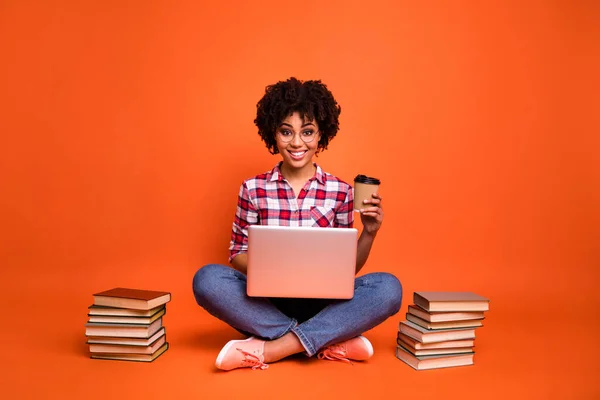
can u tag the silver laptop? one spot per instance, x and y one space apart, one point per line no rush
303 262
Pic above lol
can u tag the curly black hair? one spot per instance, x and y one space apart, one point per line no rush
311 99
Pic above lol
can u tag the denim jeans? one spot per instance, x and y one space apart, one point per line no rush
317 323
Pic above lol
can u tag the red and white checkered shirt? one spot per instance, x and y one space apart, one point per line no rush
268 199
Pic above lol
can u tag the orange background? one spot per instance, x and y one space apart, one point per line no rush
127 129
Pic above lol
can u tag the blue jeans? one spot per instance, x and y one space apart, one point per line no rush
318 323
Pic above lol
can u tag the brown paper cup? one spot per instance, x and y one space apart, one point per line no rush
363 191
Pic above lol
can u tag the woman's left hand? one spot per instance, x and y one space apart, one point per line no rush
372 217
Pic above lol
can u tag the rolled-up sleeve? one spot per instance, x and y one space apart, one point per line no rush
344 216
245 215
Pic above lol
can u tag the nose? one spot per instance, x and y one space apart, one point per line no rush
296 141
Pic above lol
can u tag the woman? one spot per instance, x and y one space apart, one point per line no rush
297 120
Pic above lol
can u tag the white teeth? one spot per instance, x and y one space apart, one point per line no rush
298 154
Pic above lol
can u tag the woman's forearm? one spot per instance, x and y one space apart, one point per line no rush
365 242
240 262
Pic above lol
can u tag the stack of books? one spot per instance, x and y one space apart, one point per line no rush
439 330
127 324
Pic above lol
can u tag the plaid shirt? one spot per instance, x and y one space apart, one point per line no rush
268 199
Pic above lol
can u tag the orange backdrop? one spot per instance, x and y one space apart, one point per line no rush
127 128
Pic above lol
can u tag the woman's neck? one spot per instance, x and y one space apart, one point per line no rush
294 174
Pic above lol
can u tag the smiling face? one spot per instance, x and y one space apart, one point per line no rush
291 136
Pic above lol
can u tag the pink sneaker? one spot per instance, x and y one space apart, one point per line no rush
242 353
358 349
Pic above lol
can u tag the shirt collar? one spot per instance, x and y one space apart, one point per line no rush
276 174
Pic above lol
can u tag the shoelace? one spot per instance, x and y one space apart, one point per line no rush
334 353
253 360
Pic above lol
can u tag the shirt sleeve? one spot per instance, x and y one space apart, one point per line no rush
245 215
344 217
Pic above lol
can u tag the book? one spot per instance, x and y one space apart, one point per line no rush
451 301
125 312
440 352
132 357
412 343
126 340
131 298
433 352
127 320
122 349
122 330
472 323
444 316
426 336
432 362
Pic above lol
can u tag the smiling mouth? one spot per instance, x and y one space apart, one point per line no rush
297 155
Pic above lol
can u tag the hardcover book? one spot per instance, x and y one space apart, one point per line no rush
117 319
434 352
436 316
131 357
423 335
414 344
125 312
131 298
127 341
473 323
451 301
432 362
122 330
122 349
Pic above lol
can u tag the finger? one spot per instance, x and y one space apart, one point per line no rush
370 214
372 201
377 199
374 210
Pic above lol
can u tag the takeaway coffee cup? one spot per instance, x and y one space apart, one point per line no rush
364 187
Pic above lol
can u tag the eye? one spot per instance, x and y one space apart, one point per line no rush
285 132
308 133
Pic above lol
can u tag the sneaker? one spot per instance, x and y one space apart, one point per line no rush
246 353
358 349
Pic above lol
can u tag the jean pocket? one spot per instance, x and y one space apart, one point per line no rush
322 216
